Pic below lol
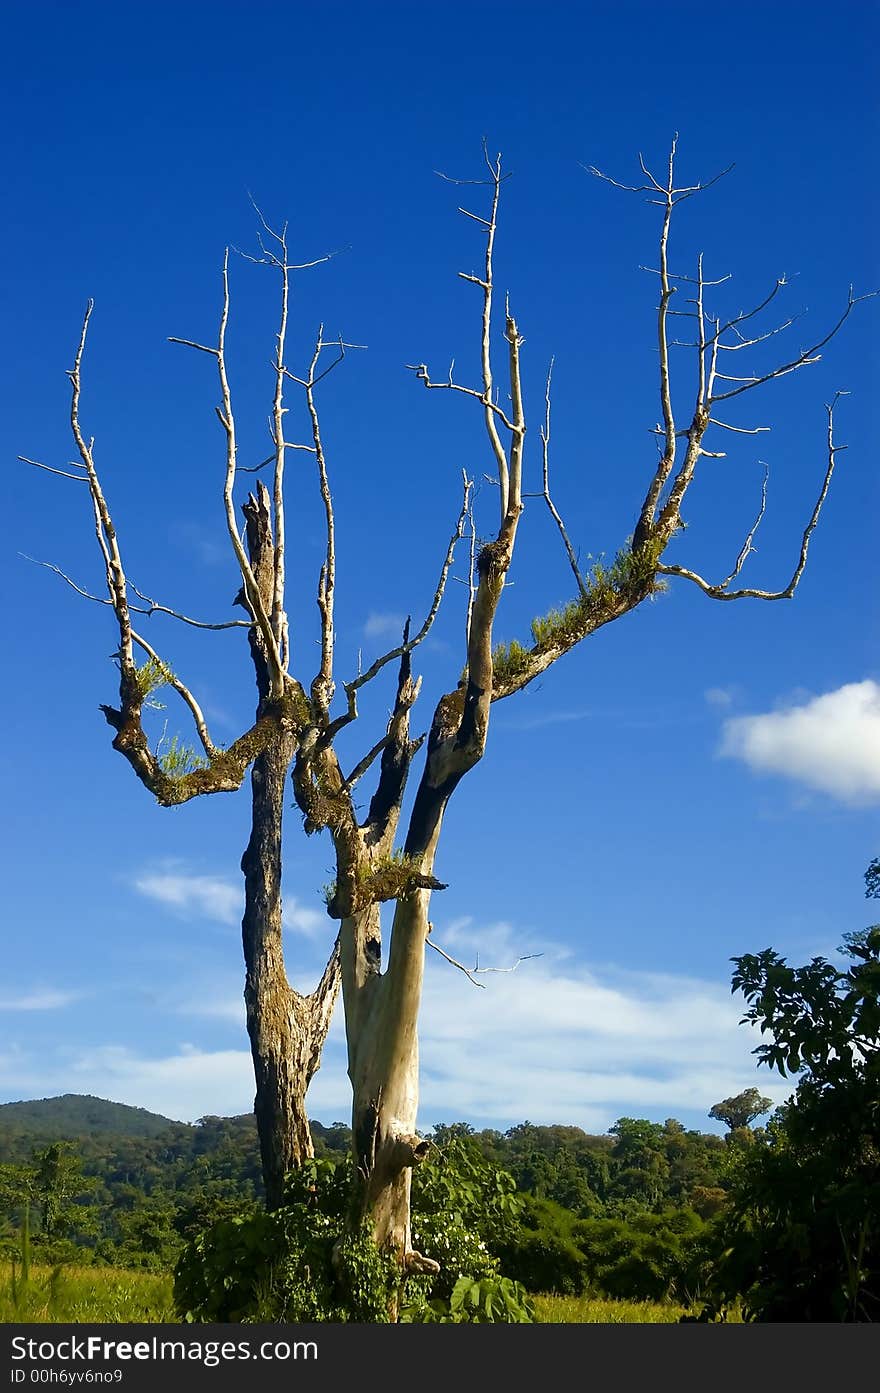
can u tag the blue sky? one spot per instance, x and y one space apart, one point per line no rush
696 781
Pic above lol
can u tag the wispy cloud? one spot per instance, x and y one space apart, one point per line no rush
40 999
381 624
211 549
555 1040
561 1041
213 897
202 896
304 920
719 696
548 718
830 743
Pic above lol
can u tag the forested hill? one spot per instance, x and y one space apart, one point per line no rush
95 1126
79 1115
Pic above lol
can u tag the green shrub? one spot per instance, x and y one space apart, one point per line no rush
542 1252
296 1264
648 1257
301 1263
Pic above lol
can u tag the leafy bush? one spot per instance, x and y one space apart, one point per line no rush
297 1264
649 1257
301 1263
463 1206
542 1252
800 1240
475 1301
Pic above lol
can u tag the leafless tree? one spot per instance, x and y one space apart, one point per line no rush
296 730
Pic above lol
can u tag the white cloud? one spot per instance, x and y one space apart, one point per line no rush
718 696
41 999
381 625
211 897
554 1040
304 920
551 718
557 1041
224 1007
830 742
205 896
183 1086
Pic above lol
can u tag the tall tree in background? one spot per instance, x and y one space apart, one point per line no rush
741 1110
297 724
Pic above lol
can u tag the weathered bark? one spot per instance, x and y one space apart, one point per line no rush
287 1030
384 1071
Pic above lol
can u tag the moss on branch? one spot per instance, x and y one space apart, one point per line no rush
608 592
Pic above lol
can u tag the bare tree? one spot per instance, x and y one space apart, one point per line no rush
296 729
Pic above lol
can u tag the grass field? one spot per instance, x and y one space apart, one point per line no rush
598 1310
101 1294
111 1295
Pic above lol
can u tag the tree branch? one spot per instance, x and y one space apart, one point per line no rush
453 961
486 284
719 591
227 420
545 449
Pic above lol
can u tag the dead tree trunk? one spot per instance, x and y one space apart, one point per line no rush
287 1031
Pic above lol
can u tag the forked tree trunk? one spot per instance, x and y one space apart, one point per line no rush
287 1031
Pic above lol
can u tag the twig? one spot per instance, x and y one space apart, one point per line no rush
526 957
545 446
453 961
152 606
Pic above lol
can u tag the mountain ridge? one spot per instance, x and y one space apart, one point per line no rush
85 1113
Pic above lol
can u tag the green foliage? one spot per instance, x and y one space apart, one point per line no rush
75 1114
489 1300
459 1181
145 1236
642 1257
630 576
649 1257
801 1238
302 1262
296 1264
508 661
741 1110
177 759
159 1185
463 1206
387 878
108 1295
51 1200
542 1253
151 676
19 1282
